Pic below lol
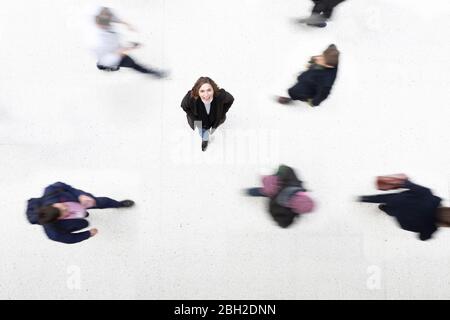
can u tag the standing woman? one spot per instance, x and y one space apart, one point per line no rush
206 106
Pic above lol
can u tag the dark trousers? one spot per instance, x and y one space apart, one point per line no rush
128 62
105 203
379 198
255 192
325 7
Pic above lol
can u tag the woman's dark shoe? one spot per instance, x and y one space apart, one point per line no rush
315 20
127 203
204 145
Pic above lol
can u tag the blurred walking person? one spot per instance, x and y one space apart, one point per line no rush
62 211
288 199
416 209
314 85
111 54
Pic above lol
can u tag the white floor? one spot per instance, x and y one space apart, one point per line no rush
192 234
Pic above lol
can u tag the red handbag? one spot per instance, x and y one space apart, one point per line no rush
390 182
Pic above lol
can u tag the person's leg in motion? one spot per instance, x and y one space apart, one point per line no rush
294 94
319 7
327 13
378 198
128 62
105 203
386 209
329 7
255 192
316 19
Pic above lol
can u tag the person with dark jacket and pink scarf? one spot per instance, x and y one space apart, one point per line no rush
288 198
62 212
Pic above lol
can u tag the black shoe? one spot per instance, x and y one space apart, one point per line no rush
109 69
127 203
315 20
204 145
382 207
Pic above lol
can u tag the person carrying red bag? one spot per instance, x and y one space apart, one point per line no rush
416 209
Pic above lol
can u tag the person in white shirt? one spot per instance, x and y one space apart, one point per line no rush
111 55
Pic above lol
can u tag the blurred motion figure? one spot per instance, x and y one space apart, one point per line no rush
416 209
314 85
62 211
111 55
287 197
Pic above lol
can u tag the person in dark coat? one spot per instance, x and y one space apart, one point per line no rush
288 197
314 85
321 12
62 211
415 209
206 107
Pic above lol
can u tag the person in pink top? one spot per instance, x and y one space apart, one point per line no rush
62 212
288 197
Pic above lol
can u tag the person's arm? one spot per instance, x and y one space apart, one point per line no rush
322 94
124 50
186 104
311 62
72 225
33 205
427 233
424 235
415 188
228 101
129 26
61 185
69 238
